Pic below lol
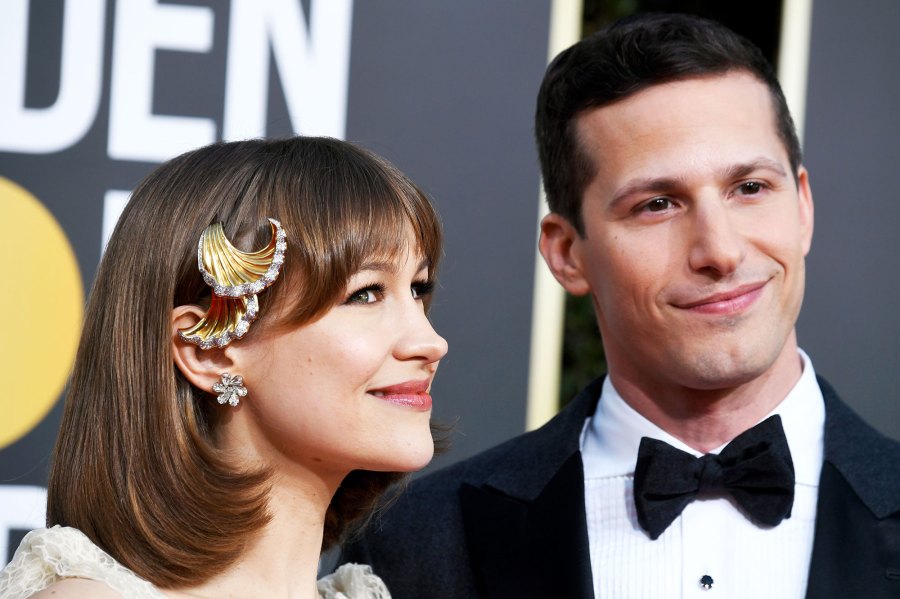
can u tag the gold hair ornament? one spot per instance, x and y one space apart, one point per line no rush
235 277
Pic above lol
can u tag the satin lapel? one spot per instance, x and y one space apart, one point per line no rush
855 554
533 548
856 551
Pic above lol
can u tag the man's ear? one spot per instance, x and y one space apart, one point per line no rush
558 247
807 212
201 367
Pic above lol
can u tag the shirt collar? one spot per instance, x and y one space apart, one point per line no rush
610 438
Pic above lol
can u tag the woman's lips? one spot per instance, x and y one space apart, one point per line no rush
413 394
732 301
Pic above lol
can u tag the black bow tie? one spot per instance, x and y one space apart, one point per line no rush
755 468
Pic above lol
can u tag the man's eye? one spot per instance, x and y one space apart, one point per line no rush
751 188
658 204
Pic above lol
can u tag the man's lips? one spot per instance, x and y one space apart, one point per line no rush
411 393
730 301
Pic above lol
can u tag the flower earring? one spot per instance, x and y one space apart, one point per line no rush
230 389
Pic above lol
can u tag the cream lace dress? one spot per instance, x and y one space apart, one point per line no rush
47 555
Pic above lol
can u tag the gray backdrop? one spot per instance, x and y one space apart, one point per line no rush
446 91
443 89
850 323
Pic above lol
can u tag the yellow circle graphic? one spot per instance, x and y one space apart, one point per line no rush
41 305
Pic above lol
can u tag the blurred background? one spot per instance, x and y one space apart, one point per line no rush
96 93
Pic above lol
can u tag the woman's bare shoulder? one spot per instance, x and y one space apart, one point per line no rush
77 587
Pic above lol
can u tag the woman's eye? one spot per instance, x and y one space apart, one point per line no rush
422 289
368 295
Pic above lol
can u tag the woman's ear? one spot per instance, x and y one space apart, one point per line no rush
558 247
201 367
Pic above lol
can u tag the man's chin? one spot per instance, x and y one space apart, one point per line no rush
723 370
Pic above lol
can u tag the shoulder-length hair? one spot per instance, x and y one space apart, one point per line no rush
135 467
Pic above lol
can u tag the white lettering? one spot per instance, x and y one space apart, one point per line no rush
113 204
142 26
24 507
57 127
313 64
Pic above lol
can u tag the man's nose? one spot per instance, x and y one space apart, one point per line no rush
716 244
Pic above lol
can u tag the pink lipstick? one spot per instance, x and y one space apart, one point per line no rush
413 394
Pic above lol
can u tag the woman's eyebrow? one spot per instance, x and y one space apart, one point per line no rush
379 265
391 266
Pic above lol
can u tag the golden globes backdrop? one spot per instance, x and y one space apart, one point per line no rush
96 93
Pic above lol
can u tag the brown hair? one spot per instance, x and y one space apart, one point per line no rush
135 467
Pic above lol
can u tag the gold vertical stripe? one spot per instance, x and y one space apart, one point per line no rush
793 57
548 300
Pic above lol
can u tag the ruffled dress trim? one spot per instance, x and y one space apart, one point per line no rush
48 555
352 581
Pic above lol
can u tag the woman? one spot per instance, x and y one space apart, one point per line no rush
233 410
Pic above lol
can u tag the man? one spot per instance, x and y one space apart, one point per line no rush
679 203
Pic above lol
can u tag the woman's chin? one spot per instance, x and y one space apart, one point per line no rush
410 455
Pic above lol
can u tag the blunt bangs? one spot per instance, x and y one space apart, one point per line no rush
352 209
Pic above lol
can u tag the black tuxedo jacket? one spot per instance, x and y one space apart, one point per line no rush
510 522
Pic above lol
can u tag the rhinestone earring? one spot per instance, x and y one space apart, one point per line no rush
230 389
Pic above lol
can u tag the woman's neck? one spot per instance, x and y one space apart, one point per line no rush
282 559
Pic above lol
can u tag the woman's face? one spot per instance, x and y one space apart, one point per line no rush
350 390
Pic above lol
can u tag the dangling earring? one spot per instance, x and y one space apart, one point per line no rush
231 389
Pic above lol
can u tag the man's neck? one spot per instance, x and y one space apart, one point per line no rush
709 418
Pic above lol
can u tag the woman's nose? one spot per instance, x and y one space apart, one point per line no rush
420 340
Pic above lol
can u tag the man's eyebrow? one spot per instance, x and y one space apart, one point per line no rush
644 186
649 185
738 171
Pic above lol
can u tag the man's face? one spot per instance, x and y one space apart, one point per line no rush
695 234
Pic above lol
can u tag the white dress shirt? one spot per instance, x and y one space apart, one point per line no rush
711 536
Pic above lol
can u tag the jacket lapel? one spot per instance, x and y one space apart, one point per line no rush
536 549
856 551
855 554
526 531
525 523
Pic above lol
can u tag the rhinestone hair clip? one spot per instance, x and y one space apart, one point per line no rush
235 277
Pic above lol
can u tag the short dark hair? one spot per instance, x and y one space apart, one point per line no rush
621 60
